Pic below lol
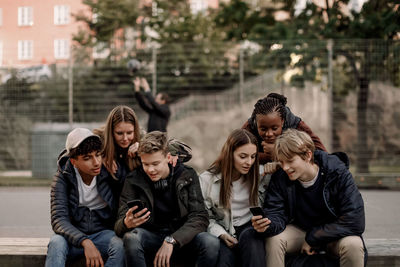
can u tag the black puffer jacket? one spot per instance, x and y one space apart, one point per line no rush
340 193
74 222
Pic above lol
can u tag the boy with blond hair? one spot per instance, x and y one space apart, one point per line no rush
312 204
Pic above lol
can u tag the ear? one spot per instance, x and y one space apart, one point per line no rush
309 156
72 161
169 156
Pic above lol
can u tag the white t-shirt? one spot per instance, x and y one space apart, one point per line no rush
88 194
240 202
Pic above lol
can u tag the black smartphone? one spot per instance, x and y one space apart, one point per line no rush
136 202
257 211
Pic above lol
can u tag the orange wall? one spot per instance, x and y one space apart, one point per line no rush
43 32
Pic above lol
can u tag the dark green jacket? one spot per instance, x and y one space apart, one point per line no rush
192 213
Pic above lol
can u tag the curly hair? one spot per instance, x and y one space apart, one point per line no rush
273 102
87 146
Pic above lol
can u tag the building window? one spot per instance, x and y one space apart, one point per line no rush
25 49
61 15
198 6
25 16
61 49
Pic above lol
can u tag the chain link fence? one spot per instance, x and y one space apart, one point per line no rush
359 79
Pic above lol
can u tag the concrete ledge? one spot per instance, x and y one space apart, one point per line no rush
27 252
32 252
383 252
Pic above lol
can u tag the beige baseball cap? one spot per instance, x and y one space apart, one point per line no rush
76 137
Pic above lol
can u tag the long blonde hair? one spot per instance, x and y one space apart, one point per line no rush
117 115
224 165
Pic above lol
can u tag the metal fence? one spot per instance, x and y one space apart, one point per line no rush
215 77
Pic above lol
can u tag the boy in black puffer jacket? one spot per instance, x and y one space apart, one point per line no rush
84 199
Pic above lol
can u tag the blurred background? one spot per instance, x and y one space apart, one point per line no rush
63 64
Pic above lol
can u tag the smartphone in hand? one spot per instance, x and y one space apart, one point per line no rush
136 202
257 211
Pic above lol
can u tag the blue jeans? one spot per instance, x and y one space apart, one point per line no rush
248 252
109 245
141 246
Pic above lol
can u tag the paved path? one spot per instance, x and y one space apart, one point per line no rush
25 212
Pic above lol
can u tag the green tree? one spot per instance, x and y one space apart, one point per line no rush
187 55
369 50
376 23
190 52
102 25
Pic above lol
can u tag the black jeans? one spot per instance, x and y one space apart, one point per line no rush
141 246
248 252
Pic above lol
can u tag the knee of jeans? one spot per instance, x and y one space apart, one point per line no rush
131 240
208 241
58 242
58 245
116 244
351 244
248 234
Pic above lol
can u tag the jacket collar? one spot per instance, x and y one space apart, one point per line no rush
331 164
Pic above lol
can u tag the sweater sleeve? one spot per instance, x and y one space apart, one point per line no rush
317 142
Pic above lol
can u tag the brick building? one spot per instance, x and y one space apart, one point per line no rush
36 32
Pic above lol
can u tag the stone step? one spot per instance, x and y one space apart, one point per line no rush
15 252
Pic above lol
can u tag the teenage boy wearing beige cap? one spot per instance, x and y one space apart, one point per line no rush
84 199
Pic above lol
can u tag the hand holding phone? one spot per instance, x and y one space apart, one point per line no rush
138 216
136 202
257 211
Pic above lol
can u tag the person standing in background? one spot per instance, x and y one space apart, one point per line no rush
157 107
